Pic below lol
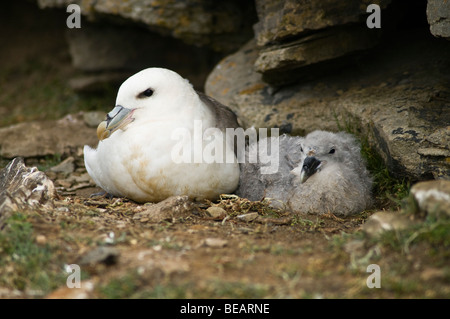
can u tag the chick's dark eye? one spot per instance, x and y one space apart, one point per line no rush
146 93
332 151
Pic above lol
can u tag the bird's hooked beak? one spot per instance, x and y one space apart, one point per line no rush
117 119
310 165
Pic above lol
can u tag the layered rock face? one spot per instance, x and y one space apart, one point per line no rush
319 66
118 38
223 25
293 35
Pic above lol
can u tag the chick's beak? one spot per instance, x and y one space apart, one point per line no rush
310 166
117 119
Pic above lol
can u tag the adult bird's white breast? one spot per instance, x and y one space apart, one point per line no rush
158 113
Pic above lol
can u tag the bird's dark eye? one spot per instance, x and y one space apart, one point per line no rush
146 93
332 151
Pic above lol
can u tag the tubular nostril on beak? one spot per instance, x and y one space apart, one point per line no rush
311 163
309 167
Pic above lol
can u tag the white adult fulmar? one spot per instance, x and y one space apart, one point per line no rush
149 148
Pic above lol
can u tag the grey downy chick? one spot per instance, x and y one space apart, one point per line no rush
332 177
323 172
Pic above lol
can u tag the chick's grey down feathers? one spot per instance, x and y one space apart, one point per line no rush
340 185
254 185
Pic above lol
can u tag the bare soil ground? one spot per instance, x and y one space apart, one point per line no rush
193 255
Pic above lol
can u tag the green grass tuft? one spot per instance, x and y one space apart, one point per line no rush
23 263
